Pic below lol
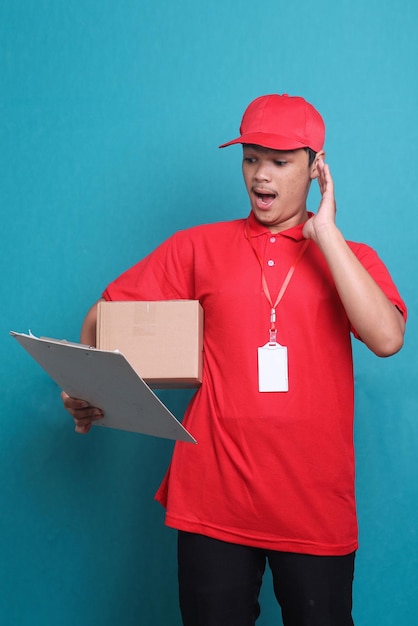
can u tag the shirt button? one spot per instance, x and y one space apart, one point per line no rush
270 263
272 239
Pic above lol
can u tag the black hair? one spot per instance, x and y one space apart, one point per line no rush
311 155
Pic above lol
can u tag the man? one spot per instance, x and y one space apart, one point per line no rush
272 476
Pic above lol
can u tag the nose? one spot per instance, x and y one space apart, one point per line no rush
262 172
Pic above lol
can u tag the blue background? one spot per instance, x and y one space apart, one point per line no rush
110 118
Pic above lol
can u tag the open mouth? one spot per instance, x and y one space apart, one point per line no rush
264 199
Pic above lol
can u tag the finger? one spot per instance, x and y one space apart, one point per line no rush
321 182
87 416
80 408
327 174
73 403
326 182
83 429
83 424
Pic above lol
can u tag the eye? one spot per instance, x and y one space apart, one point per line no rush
249 159
280 163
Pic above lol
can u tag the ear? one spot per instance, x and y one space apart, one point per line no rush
314 168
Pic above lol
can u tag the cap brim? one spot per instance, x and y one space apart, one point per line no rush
266 140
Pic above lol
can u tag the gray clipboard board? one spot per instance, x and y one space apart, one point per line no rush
106 380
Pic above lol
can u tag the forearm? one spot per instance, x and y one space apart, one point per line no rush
82 412
378 322
88 329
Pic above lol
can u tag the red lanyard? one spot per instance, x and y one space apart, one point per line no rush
273 330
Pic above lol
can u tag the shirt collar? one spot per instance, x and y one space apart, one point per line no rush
256 229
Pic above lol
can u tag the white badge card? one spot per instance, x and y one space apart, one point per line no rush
272 368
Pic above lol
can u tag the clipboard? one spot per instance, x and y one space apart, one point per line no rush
105 379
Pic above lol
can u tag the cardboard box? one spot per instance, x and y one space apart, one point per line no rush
163 340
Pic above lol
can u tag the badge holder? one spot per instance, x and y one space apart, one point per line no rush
272 366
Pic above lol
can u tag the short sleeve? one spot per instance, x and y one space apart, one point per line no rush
165 274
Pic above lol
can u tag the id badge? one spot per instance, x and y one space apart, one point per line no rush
272 368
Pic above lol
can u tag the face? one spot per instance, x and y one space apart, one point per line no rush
278 185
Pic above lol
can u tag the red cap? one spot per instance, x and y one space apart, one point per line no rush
281 123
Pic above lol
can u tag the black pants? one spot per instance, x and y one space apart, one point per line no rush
219 584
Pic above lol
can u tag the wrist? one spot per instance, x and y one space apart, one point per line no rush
328 235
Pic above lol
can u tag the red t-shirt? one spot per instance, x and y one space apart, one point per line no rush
271 469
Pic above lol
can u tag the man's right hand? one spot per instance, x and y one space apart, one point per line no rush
82 412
